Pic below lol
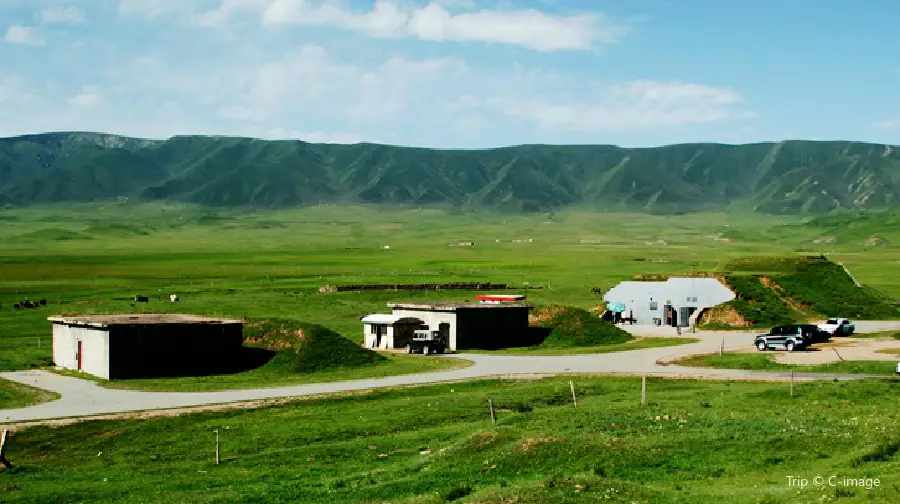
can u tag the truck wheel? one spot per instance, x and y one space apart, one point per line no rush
761 346
789 346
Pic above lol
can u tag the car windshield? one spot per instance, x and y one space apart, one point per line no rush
831 321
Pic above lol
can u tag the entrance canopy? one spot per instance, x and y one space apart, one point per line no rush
388 319
615 307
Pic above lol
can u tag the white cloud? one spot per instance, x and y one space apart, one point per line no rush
309 85
154 9
437 21
638 104
87 97
888 124
62 15
17 34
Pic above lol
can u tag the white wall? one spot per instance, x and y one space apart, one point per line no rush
94 348
637 296
387 338
432 319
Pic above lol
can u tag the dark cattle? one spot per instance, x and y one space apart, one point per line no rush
27 304
43 302
16 306
142 299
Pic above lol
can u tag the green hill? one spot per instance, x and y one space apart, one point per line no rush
786 177
573 327
783 290
304 348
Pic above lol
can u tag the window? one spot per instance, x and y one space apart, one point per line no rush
831 321
654 305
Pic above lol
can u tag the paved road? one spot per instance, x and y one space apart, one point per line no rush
81 398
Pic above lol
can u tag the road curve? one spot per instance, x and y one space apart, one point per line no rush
82 398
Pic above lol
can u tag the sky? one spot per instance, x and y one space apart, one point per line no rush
455 73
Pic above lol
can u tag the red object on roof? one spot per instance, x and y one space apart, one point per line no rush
501 298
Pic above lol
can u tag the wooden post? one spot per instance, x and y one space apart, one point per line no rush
792 383
3 460
217 446
644 390
572 386
722 347
491 406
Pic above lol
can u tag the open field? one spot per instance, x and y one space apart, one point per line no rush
636 344
765 362
396 364
95 258
697 441
17 395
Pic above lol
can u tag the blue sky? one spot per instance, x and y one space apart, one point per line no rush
454 73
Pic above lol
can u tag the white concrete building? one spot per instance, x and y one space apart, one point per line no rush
464 324
672 302
382 330
145 345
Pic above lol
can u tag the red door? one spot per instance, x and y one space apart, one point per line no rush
78 355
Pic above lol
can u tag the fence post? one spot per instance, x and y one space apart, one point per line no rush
3 460
792 383
574 400
217 446
644 391
491 406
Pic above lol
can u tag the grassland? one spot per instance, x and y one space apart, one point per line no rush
16 395
276 376
697 441
635 344
269 264
766 362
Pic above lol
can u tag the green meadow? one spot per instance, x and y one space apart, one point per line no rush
94 258
696 442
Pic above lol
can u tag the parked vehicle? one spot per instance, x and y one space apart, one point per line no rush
816 334
426 342
838 327
789 337
898 368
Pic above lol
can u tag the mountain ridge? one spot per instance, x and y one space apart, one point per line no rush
786 177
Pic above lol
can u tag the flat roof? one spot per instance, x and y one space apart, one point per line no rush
139 319
453 305
388 319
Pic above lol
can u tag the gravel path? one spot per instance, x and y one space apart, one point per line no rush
81 398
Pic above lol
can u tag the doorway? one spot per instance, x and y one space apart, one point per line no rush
444 331
671 315
78 354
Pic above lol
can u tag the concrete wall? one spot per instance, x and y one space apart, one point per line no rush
492 328
638 297
94 349
433 319
162 350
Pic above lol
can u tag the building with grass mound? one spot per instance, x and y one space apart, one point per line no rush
672 302
146 345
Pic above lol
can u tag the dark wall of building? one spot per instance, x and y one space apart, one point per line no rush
493 328
169 350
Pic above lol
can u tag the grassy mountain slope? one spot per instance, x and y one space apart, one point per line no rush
786 177
783 290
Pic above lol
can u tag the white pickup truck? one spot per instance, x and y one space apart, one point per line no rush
837 327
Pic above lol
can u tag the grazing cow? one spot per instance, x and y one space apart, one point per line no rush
16 306
173 298
43 302
142 299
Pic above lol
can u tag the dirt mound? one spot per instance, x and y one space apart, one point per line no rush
723 315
